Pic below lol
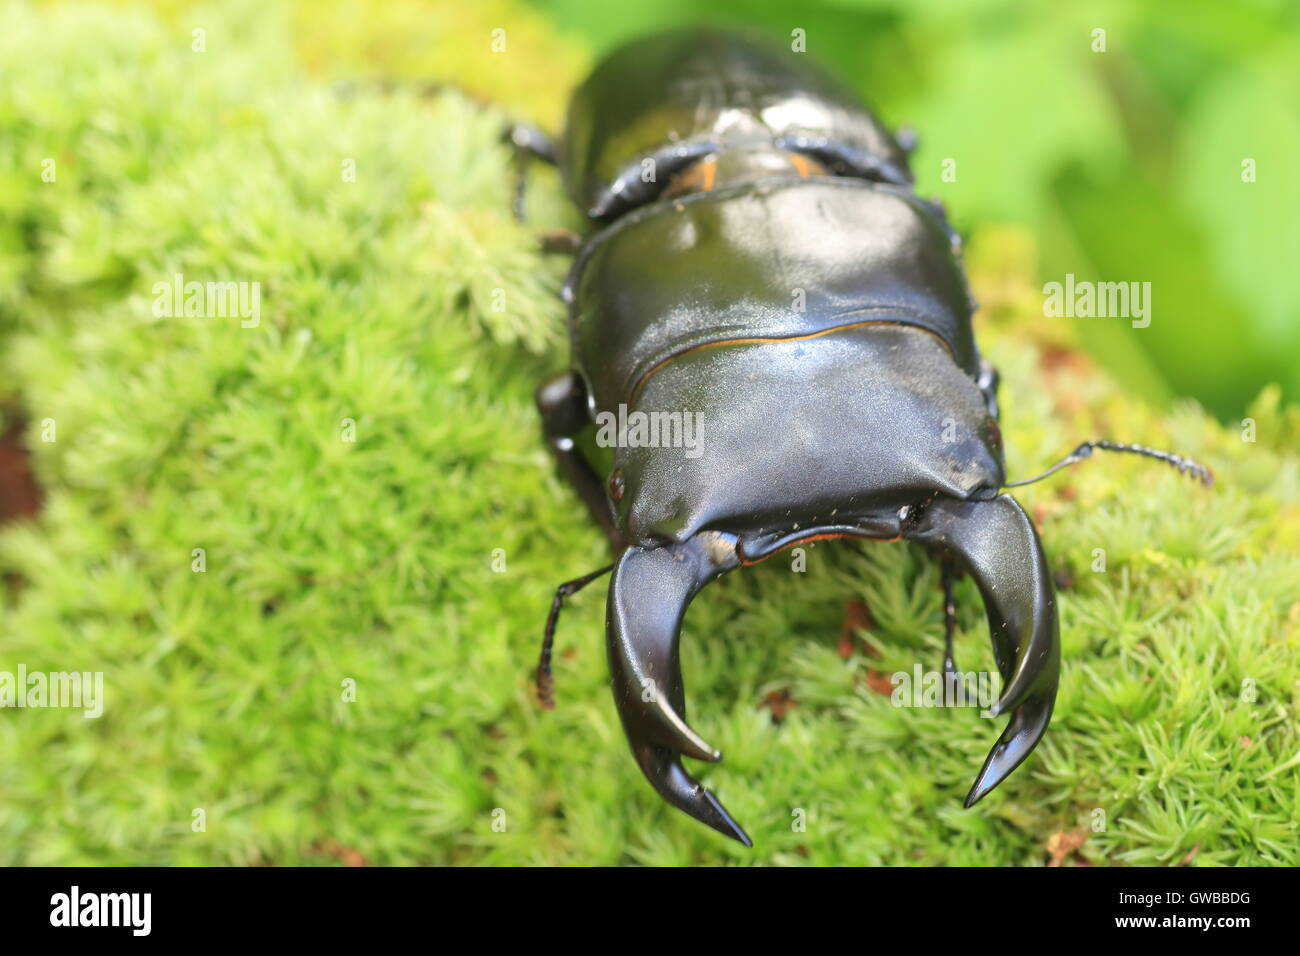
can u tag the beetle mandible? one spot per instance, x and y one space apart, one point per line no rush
757 259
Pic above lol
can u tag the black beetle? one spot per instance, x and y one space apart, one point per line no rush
758 260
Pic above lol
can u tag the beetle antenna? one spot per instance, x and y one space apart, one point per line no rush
545 681
529 143
1185 465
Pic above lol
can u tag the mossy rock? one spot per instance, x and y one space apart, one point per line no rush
335 568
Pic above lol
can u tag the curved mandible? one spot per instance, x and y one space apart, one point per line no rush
997 542
648 596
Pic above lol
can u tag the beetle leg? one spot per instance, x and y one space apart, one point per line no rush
999 546
562 401
947 576
529 143
647 601
561 241
545 680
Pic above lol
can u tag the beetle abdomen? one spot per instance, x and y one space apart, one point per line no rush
781 259
676 97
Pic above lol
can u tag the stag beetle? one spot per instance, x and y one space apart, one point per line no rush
757 258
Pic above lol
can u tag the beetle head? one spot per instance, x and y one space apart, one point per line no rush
795 441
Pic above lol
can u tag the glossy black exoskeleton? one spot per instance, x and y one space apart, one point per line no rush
759 266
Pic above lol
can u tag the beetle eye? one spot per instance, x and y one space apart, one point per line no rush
993 430
910 515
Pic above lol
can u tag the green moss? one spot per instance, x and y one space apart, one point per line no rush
372 560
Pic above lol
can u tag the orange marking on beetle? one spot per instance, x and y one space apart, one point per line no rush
764 340
698 177
709 173
829 536
806 166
